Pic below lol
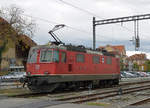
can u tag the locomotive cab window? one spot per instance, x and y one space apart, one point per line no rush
80 58
96 59
46 56
49 56
63 57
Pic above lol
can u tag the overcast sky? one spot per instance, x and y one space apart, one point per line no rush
80 22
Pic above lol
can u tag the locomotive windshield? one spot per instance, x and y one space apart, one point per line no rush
49 56
32 56
46 56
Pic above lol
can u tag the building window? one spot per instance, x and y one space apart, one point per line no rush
109 60
63 57
96 59
80 58
103 60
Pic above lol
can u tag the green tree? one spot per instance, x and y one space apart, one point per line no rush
136 66
21 24
147 63
121 65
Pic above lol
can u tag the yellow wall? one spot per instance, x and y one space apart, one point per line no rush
142 67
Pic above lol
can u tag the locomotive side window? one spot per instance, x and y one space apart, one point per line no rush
32 56
103 59
56 56
96 59
109 60
46 56
80 58
63 57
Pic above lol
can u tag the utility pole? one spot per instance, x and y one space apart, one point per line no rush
134 18
136 34
94 31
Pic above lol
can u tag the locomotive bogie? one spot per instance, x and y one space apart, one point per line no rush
69 82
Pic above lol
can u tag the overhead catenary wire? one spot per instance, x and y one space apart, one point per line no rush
56 23
88 12
73 28
42 19
53 22
70 27
94 15
83 10
91 13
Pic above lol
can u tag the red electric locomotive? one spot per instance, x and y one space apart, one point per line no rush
65 66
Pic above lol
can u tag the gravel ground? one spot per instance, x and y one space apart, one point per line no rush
134 79
141 106
123 101
14 102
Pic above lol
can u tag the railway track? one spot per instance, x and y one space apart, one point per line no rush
102 95
141 102
112 94
28 95
67 93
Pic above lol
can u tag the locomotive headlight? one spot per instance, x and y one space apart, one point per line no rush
28 73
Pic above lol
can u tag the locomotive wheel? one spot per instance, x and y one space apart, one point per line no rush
43 88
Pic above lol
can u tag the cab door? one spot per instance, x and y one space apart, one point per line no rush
32 63
70 63
62 68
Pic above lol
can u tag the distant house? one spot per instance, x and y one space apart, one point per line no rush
139 60
14 48
119 51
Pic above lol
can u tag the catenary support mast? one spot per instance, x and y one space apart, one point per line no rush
134 18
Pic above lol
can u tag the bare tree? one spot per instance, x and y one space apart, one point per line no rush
22 24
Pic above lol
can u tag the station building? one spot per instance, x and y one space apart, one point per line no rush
14 48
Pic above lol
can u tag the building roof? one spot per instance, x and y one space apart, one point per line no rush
25 39
28 41
121 48
137 57
118 48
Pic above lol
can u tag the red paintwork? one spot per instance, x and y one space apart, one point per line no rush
77 68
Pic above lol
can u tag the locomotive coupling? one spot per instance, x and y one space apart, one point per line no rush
24 81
